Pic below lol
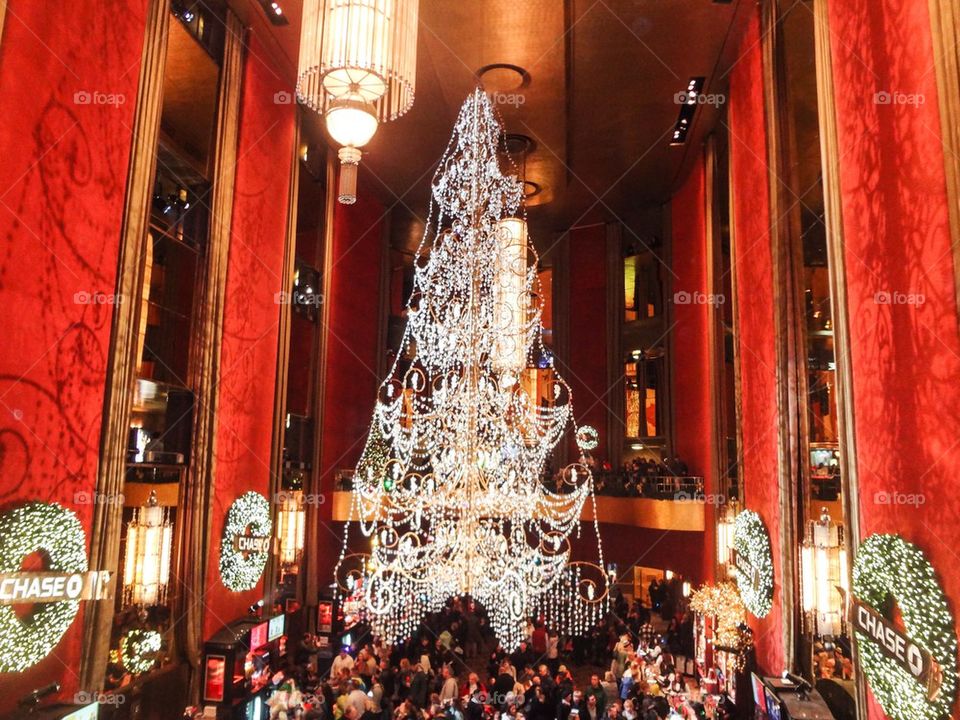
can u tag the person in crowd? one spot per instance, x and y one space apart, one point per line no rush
450 689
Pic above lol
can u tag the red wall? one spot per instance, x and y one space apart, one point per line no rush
691 362
248 361
629 546
350 390
905 357
757 350
62 182
586 372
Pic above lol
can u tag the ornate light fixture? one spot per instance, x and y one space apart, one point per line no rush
146 565
290 528
824 576
725 524
450 486
358 66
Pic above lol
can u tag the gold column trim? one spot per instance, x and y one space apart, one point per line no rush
283 359
945 33
206 360
784 332
3 16
836 265
121 359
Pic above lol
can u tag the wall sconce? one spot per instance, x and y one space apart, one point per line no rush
149 546
291 522
824 577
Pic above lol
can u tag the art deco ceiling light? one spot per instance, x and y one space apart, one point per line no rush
451 486
824 576
146 566
357 68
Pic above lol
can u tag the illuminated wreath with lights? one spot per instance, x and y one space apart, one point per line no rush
587 437
138 650
887 566
752 541
55 531
238 570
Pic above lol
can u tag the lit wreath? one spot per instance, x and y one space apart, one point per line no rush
241 571
57 532
138 650
587 437
752 541
887 566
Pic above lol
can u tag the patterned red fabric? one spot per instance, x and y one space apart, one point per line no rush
757 349
248 362
352 380
691 362
65 136
905 350
587 369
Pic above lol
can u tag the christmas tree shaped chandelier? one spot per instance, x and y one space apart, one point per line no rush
452 486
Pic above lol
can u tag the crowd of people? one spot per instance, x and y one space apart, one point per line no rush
454 669
647 477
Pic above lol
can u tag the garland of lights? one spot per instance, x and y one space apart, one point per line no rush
887 566
138 650
752 541
450 486
57 532
242 570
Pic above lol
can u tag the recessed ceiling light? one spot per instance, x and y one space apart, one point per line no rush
274 12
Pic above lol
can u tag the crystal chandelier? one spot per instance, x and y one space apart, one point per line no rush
357 68
146 566
451 486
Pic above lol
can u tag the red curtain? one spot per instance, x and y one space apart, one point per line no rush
248 362
68 79
587 373
691 361
905 350
755 309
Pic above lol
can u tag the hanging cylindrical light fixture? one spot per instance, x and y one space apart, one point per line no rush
149 546
290 528
824 576
725 536
357 68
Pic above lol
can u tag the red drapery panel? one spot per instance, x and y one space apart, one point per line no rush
350 390
248 361
756 332
905 350
587 371
68 83
691 361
